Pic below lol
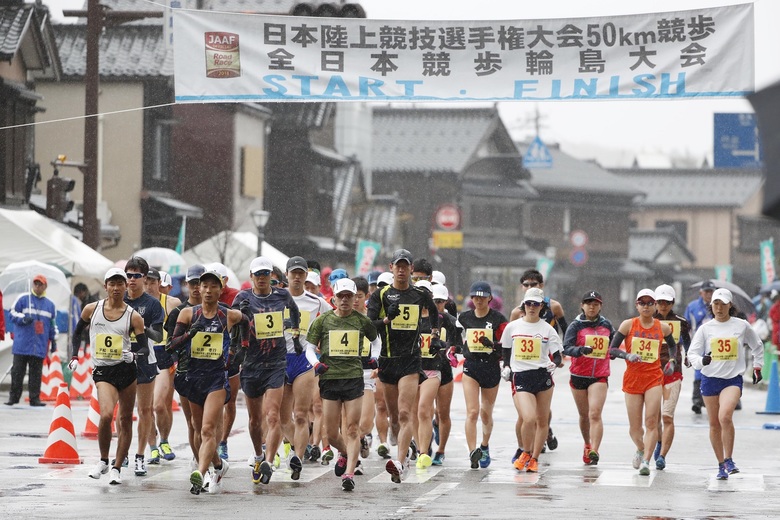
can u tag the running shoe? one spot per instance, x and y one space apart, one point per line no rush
166 451
370 440
413 450
474 457
435 432
552 442
660 462
114 478
593 455
484 461
424 461
215 480
657 451
265 472
522 461
585 452
392 437
277 461
140 466
383 450
256 474
125 463
533 466
99 470
637 460
644 468
327 456
395 469
341 465
517 454
295 466
347 483
730 466
358 468
364 447
314 454
286 449
196 479
155 458
722 473
222 450
438 459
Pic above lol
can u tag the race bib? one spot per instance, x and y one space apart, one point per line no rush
207 345
269 325
724 349
675 326
344 343
305 320
366 350
527 349
408 319
472 340
443 334
599 344
647 348
425 345
108 346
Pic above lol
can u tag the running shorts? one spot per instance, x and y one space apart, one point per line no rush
296 365
532 381
120 376
262 380
712 386
486 373
392 369
341 389
583 383
201 387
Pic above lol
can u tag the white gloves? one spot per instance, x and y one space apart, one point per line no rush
506 373
127 356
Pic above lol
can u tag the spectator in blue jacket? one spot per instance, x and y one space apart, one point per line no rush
33 316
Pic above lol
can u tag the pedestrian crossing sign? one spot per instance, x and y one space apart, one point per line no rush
537 155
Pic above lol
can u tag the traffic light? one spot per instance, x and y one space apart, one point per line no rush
58 201
328 10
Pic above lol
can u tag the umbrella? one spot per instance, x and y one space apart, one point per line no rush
742 301
768 288
17 280
164 259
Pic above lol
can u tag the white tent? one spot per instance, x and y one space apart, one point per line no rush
235 249
28 235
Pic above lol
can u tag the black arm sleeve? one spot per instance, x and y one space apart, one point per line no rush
572 351
81 326
154 332
562 324
614 347
507 356
179 338
672 346
141 344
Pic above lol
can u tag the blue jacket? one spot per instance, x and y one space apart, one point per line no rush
696 314
26 341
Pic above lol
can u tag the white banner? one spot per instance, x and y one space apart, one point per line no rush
233 57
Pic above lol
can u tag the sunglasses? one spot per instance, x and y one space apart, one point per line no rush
645 303
532 304
530 284
134 276
264 272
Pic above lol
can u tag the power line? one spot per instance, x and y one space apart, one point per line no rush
79 118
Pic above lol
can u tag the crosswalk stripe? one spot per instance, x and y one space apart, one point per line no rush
414 476
624 478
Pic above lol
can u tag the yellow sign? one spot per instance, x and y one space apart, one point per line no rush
647 348
207 345
108 346
344 343
473 337
408 319
448 239
527 349
724 349
675 326
599 344
269 325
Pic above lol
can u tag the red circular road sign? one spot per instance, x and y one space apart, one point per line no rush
448 217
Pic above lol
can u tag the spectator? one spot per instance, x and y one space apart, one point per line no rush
774 316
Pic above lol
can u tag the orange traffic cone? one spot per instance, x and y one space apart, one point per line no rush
61 447
55 378
457 372
45 384
175 403
81 380
93 417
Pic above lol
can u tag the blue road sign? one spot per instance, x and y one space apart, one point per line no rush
736 143
537 155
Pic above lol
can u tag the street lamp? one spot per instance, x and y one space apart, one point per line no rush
260 218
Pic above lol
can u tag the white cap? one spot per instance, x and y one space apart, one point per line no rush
723 295
534 294
440 292
261 263
314 277
385 278
165 279
645 292
344 285
221 269
437 277
115 271
424 283
665 292
213 273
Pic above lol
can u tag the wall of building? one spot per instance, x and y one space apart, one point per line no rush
250 132
13 71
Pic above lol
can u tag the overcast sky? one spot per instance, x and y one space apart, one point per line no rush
585 127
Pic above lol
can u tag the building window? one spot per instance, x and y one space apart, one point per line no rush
679 226
162 147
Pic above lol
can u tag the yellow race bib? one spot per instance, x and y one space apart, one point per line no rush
425 346
675 326
269 325
344 343
647 348
305 320
408 319
724 349
599 344
473 337
443 334
108 346
207 345
527 349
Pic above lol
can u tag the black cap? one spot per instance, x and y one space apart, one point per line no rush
153 274
480 289
194 272
401 254
297 262
592 295
708 285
